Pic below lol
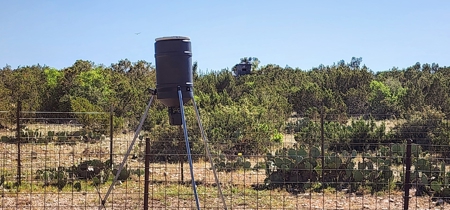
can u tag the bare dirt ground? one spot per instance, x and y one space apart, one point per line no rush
122 199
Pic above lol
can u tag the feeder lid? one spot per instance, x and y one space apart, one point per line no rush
172 38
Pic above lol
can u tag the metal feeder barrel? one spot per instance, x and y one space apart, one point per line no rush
173 58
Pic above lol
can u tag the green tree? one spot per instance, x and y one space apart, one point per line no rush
26 85
424 127
94 85
384 102
53 90
68 82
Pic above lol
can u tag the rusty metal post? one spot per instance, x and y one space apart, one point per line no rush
19 166
407 183
147 172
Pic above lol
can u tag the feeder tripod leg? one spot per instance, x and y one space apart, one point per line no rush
208 153
136 134
188 148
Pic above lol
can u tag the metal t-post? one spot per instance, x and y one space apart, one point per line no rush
147 172
407 183
188 148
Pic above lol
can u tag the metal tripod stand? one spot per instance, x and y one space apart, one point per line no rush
204 137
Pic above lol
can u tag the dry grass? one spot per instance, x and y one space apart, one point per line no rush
390 124
130 196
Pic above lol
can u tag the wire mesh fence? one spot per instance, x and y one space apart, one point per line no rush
53 160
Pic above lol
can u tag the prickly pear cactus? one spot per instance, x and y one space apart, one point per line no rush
292 168
302 167
223 164
61 179
433 177
124 173
54 177
92 168
77 186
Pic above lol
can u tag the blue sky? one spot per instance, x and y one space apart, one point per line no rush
301 34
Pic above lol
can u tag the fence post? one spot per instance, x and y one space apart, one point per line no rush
19 172
111 133
147 172
407 183
322 150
